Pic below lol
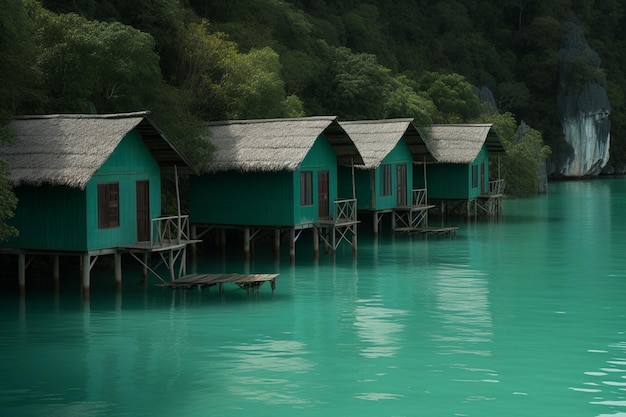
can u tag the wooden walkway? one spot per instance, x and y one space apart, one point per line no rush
246 281
439 231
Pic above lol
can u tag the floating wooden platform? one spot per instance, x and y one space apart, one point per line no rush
247 281
441 231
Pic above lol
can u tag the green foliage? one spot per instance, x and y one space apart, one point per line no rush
225 84
19 76
453 96
404 101
360 83
277 58
520 166
92 66
8 203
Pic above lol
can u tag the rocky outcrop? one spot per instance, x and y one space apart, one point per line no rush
585 109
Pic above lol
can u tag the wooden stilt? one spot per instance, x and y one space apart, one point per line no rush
222 234
246 243
277 242
86 274
375 224
117 261
171 264
55 271
316 242
145 267
21 268
292 244
194 249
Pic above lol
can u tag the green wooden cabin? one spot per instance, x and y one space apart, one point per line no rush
461 153
389 149
86 182
273 172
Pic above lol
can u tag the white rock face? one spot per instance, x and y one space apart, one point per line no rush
589 136
584 108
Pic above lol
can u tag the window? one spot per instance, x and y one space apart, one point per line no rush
474 176
306 188
108 205
385 179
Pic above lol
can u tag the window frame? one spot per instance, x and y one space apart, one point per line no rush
306 188
386 181
108 205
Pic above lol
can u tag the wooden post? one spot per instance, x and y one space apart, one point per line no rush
194 249
55 271
86 274
354 240
246 243
117 261
170 261
21 277
316 242
145 267
292 244
277 242
222 234
375 224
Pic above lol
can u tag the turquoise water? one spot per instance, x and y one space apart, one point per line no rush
522 316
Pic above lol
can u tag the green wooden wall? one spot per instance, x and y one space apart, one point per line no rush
261 198
368 182
66 219
237 198
453 181
49 218
130 162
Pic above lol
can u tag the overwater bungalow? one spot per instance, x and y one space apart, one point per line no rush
384 184
90 185
277 176
458 181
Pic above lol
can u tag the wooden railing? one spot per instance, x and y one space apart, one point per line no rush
169 230
496 187
419 197
345 210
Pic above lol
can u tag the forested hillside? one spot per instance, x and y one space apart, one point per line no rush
189 61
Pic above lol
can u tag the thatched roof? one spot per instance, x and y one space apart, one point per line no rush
67 149
276 144
376 138
460 143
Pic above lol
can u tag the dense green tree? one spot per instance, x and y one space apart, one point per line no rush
92 66
453 96
525 153
225 84
404 100
19 79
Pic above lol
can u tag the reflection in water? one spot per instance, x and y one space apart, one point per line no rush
378 328
463 307
277 360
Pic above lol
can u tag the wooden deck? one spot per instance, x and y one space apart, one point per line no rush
246 281
439 231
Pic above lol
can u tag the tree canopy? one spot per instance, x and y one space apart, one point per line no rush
190 61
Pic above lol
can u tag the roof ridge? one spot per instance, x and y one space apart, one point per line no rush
285 119
83 116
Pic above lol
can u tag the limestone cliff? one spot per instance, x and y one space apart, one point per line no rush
585 109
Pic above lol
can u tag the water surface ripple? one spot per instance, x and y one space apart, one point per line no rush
520 316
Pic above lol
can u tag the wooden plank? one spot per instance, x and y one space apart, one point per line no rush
213 279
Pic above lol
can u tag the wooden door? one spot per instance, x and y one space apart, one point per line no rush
401 185
322 194
143 211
